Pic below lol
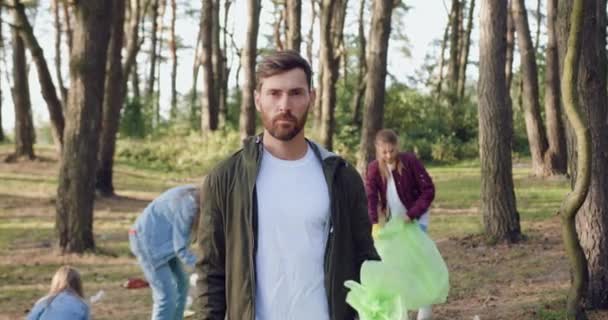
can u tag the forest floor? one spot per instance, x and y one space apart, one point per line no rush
527 280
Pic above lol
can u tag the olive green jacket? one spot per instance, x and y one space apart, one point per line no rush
226 236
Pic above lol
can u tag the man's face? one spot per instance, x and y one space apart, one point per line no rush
283 101
386 152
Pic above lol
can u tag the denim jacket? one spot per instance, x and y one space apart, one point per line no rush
63 306
163 228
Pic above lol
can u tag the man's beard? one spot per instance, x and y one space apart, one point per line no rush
279 131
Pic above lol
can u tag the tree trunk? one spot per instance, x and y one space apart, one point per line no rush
500 216
592 219
69 31
294 21
555 156
454 50
218 65
159 51
153 47
278 21
572 108
464 57
58 33
135 81
332 25
510 49
133 43
75 193
360 84
2 52
44 76
309 42
209 98
539 20
376 80
223 109
248 56
173 53
24 125
112 102
442 57
537 138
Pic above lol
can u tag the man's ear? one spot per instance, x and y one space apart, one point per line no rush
256 100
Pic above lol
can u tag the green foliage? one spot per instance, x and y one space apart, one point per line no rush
137 118
177 149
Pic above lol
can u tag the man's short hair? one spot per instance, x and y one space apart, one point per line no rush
279 62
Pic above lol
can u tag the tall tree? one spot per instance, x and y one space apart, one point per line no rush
309 37
44 76
113 100
76 190
510 49
360 84
225 67
24 125
376 79
209 98
555 156
173 54
58 32
500 216
153 48
444 44
592 219
248 55
217 59
537 138
573 201
293 23
454 52
464 56
332 26
2 137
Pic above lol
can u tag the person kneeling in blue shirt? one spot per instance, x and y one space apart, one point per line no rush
159 239
65 298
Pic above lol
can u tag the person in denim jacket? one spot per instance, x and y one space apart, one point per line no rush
160 239
65 298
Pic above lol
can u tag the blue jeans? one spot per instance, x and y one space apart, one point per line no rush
169 284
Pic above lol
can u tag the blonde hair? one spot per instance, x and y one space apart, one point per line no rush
387 136
66 279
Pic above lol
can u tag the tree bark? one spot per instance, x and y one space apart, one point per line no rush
278 22
58 33
309 37
218 66
24 125
376 80
332 25
248 56
69 31
153 49
209 98
113 101
444 44
454 53
537 138
360 84
575 199
592 219
2 52
44 76
75 193
464 57
510 49
173 53
294 21
500 216
555 156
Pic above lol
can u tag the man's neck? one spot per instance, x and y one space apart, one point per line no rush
293 149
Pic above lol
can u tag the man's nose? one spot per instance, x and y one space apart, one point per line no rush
283 103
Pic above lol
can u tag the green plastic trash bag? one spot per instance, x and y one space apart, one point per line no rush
411 275
377 297
405 247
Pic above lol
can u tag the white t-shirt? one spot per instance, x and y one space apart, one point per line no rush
293 222
395 206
